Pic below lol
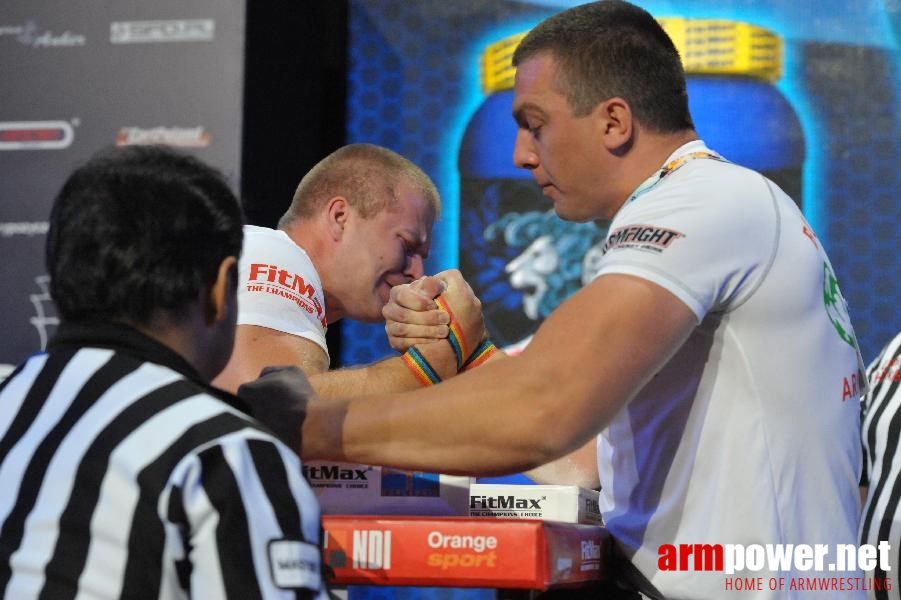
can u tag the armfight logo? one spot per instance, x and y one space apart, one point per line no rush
36 135
642 237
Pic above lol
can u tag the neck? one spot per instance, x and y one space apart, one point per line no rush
646 154
182 337
659 149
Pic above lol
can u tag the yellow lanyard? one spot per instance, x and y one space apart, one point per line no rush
668 168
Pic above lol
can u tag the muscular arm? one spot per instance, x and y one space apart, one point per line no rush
587 360
258 347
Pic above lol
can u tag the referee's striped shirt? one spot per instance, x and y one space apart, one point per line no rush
124 476
881 435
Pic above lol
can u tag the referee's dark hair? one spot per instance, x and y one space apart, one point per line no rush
137 233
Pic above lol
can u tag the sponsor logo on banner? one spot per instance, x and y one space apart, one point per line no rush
30 34
185 137
156 32
36 135
27 228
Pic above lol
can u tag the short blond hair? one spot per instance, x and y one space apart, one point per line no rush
366 174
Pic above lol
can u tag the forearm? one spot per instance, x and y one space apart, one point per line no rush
388 376
425 430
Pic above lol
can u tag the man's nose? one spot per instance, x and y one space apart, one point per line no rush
524 155
415 267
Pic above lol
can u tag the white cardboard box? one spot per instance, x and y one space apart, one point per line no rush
354 489
567 503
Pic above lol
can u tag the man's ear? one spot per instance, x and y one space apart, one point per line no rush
337 214
616 123
223 292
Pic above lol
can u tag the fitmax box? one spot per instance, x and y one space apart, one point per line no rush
566 503
354 489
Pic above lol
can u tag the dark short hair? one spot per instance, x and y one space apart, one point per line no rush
137 233
612 49
366 174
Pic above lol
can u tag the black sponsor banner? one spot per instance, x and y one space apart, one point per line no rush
80 75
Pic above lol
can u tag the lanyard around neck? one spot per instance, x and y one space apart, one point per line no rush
668 169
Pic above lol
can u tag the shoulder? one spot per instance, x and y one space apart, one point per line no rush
274 247
712 196
256 236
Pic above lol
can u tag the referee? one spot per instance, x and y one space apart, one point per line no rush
123 474
880 520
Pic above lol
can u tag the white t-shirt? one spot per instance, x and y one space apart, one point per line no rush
749 435
278 286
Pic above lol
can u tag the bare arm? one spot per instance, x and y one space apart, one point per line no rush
587 360
387 376
259 347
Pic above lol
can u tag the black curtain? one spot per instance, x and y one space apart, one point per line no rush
295 84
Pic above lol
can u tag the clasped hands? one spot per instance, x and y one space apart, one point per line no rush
433 309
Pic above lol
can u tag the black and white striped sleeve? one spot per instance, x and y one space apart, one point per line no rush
239 506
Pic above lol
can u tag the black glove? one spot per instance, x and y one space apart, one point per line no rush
279 400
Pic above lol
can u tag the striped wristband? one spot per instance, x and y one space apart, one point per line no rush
420 367
485 350
455 333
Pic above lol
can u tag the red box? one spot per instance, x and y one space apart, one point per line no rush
462 552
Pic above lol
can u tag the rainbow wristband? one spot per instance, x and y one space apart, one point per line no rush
455 333
422 370
484 351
